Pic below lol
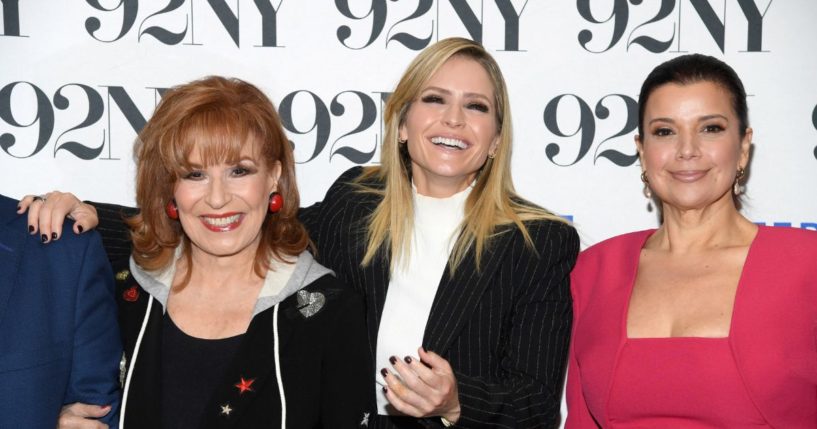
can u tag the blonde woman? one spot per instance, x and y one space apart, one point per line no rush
466 284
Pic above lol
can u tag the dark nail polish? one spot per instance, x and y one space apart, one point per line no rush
385 390
384 372
31 229
80 228
407 359
392 359
53 235
44 238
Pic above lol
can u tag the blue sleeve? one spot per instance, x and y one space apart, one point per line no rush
97 349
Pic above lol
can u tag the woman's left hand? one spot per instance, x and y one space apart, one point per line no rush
425 387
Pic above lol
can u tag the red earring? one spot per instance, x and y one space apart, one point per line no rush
276 201
171 210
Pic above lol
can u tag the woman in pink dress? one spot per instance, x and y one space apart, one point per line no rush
710 320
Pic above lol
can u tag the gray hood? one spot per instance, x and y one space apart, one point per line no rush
306 270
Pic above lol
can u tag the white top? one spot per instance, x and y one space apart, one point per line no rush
414 283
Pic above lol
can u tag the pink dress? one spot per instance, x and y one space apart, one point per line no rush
682 382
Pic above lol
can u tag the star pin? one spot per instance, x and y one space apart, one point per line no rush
245 385
226 410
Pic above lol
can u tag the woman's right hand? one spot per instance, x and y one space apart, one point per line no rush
46 213
82 416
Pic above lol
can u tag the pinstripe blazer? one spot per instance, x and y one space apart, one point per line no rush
504 329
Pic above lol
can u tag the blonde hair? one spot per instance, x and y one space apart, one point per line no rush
493 200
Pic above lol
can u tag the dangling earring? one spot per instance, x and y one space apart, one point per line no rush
276 201
736 188
647 191
171 210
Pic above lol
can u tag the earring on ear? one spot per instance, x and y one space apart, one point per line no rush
402 141
171 210
647 191
276 202
737 189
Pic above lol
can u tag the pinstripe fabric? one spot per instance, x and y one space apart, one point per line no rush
504 329
115 235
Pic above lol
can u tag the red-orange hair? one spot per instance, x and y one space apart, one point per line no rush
217 117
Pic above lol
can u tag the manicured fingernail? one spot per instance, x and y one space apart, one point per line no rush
80 228
407 359
392 359
44 238
31 229
53 235
385 390
384 373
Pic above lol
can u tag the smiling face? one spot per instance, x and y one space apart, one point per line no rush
692 145
451 128
222 206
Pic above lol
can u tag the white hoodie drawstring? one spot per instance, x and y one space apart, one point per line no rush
278 366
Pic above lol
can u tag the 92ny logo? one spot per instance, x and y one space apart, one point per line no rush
585 130
416 27
73 99
171 24
649 34
87 122
175 22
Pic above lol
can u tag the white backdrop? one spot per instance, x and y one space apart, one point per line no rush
78 79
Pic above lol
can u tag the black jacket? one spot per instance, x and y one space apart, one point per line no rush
325 368
504 328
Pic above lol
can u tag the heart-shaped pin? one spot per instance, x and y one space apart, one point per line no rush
310 303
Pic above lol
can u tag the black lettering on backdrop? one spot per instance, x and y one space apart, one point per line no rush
715 26
814 122
11 17
321 125
586 129
128 108
130 8
649 43
63 100
160 33
377 15
408 40
367 118
44 119
229 20
95 109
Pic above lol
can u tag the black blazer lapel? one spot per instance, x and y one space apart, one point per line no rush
457 296
12 243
